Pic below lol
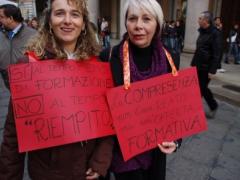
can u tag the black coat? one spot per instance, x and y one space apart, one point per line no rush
158 167
208 52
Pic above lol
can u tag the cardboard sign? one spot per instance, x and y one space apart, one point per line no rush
59 102
163 108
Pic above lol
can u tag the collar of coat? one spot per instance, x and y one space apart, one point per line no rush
207 30
15 34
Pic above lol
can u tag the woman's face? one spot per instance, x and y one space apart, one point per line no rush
66 22
141 27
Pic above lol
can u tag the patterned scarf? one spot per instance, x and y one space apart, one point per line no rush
159 62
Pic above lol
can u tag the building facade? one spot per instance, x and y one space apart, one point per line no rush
186 10
28 8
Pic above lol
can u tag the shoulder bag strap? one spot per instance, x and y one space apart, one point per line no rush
126 65
170 61
32 56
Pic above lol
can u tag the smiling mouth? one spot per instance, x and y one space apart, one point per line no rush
67 29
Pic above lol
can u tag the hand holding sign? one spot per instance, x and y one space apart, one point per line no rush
160 109
167 147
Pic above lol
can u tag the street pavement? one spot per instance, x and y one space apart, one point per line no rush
225 86
211 155
214 154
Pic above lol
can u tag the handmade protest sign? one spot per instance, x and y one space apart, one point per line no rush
163 108
60 102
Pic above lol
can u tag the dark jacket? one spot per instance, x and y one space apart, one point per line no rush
67 162
233 32
220 41
158 167
238 39
171 43
208 51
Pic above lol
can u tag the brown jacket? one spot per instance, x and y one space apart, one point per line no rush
68 162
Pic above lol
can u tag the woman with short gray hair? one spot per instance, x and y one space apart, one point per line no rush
141 47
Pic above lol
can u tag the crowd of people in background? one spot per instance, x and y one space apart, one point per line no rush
233 45
172 38
33 23
104 31
219 27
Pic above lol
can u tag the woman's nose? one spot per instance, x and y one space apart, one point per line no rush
139 23
67 18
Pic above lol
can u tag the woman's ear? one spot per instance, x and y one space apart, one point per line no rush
83 27
50 28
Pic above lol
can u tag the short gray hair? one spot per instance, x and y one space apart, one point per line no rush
152 6
208 16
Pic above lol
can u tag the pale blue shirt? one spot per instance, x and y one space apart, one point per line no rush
16 29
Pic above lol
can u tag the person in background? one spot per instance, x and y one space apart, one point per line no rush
219 26
94 27
164 34
13 38
233 48
180 28
206 58
147 59
105 31
218 23
65 34
238 43
172 43
26 22
34 23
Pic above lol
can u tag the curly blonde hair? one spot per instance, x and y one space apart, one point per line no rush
86 45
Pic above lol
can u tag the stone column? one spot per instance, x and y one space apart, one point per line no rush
93 9
194 9
217 7
165 7
34 8
114 22
122 25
